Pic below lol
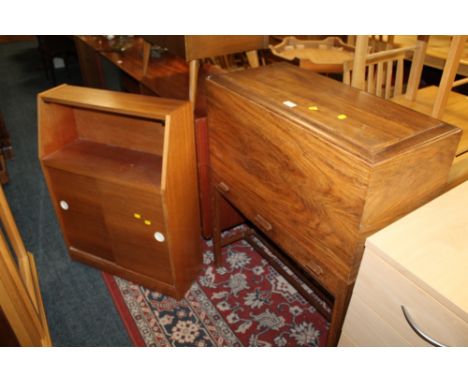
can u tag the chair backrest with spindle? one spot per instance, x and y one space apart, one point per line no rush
382 73
447 82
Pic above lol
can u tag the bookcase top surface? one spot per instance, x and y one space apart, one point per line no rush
369 126
111 101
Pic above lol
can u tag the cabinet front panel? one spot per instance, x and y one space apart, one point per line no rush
324 269
78 203
312 191
137 231
385 289
364 327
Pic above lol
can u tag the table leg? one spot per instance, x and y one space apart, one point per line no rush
194 66
146 56
216 221
448 75
340 307
252 58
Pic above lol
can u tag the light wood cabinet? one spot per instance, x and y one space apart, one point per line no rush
418 264
121 171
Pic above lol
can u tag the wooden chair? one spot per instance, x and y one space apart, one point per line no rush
443 103
22 316
382 73
447 82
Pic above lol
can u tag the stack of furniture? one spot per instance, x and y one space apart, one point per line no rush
412 288
121 171
317 166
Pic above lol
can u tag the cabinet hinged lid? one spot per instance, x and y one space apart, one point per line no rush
368 126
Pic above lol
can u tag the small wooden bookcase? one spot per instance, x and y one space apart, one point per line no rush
121 171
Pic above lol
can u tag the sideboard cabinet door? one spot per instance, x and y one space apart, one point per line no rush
78 205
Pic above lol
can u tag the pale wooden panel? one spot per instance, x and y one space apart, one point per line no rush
436 257
364 327
345 341
385 289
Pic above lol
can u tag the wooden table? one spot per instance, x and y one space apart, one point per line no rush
437 50
166 77
194 48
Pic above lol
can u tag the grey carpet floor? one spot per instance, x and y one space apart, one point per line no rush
79 308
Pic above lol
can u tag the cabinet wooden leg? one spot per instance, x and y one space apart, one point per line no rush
340 306
146 56
215 197
194 66
252 58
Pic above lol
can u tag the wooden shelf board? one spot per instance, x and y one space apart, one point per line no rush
109 163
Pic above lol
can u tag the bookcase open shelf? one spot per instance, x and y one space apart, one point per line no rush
110 163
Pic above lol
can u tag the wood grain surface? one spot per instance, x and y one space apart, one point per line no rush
318 166
126 167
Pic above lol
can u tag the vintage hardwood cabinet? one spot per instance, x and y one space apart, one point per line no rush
317 165
412 286
121 171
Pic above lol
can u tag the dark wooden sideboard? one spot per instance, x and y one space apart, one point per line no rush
317 166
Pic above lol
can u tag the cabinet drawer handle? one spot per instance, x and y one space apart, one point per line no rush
265 224
64 205
223 187
418 331
315 268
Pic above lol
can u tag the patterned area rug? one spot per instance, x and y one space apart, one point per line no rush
245 302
